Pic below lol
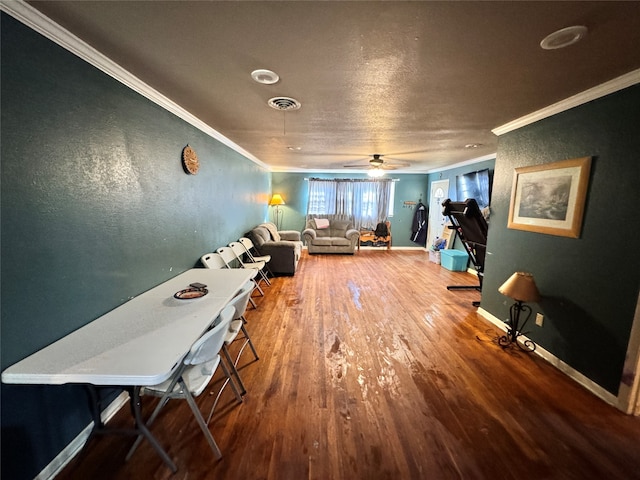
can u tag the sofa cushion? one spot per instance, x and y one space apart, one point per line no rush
339 228
260 235
323 232
323 241
340 241
273 230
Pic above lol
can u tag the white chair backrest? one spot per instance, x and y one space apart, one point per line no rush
240 301
207 347
238 250
227 255
213 260
247 243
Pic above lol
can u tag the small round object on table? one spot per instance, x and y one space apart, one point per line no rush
191 293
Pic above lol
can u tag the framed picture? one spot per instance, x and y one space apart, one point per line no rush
550 198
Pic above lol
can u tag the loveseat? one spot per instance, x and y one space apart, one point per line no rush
284 246
330 234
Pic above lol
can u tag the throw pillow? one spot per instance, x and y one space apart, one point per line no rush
322 223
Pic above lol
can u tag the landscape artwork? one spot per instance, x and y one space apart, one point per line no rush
546 199
550 198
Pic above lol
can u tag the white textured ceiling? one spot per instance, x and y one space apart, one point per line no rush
413 81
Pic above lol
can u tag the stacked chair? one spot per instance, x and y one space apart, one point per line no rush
247 260
230 261
216 260
252 253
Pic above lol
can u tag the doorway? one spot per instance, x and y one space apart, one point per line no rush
629 392
439 192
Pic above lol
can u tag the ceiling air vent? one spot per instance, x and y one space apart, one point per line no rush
284 103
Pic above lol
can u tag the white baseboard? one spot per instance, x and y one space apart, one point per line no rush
71 450
365 247
383 248
572 373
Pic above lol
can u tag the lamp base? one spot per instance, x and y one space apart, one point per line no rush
512 338
514 330
278 214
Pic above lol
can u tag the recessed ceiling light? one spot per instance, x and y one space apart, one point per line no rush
563 37
294 149
266 77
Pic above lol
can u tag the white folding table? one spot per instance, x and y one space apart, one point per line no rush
137 344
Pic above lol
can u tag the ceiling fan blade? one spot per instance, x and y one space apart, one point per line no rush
396 165
357 166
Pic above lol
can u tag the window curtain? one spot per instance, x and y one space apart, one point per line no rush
367 201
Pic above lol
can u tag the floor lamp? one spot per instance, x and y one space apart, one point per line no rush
277 200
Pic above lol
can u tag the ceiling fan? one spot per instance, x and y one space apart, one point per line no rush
377 163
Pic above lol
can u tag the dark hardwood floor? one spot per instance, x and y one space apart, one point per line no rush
371 369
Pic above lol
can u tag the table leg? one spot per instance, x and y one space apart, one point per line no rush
94 405
134 394
140 429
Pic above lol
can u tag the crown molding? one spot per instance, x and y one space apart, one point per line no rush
35 20
612 86
464 163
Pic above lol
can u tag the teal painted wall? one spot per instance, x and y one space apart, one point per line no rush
295 189
590 285
95 210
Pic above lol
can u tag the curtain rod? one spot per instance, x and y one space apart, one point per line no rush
306 179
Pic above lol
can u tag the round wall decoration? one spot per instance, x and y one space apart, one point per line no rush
190 160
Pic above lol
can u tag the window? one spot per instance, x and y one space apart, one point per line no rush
368 201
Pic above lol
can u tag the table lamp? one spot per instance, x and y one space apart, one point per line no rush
522 288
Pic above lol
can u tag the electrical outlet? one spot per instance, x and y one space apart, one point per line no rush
539 319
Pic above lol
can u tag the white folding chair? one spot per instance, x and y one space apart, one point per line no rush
215 260
239 303
252 252
239 251
230 260
193 374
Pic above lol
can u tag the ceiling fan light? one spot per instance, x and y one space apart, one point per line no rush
376 172
376 161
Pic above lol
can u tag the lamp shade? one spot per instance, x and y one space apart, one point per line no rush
521 286
276 199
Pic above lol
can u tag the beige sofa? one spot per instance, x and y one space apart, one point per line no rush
330 234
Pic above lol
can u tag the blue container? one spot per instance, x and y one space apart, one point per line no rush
454 260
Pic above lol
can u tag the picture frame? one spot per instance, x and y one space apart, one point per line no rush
550 198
